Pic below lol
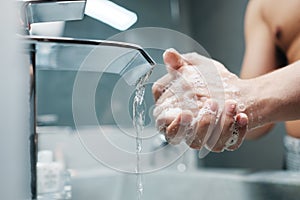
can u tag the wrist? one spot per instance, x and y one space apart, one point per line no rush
257 102
251 101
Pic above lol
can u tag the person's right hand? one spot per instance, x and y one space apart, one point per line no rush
186 110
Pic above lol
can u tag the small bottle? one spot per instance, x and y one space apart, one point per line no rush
292 150
51 177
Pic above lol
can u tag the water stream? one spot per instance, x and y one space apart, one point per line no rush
139 122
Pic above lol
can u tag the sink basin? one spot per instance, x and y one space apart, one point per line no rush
194 185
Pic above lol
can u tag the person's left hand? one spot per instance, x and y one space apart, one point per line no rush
186 111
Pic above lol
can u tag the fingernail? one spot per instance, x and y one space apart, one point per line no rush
169 50
242 119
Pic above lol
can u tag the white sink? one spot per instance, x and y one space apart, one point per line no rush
200 185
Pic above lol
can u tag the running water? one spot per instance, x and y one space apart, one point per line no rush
138 122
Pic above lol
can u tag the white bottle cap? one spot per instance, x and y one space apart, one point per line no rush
45 156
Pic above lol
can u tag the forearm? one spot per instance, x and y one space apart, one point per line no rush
273 97
259 132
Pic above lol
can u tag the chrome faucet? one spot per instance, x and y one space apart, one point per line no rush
35 11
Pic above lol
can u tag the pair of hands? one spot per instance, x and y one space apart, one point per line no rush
198 102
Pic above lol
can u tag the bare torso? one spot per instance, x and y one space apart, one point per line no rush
283 19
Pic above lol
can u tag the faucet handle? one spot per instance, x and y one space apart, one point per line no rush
35 11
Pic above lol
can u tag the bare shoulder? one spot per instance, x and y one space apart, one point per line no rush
254 17
273 12
255 9
283 20
280 19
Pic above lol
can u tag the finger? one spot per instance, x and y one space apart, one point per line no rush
168 94
161 85
177 129
178 88
222 134
173 59
242 123
165 105
206 63
204 126
195 58
166 118
163 122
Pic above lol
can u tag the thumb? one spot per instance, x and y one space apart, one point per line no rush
173 59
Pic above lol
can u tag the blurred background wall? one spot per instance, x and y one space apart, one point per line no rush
215 24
